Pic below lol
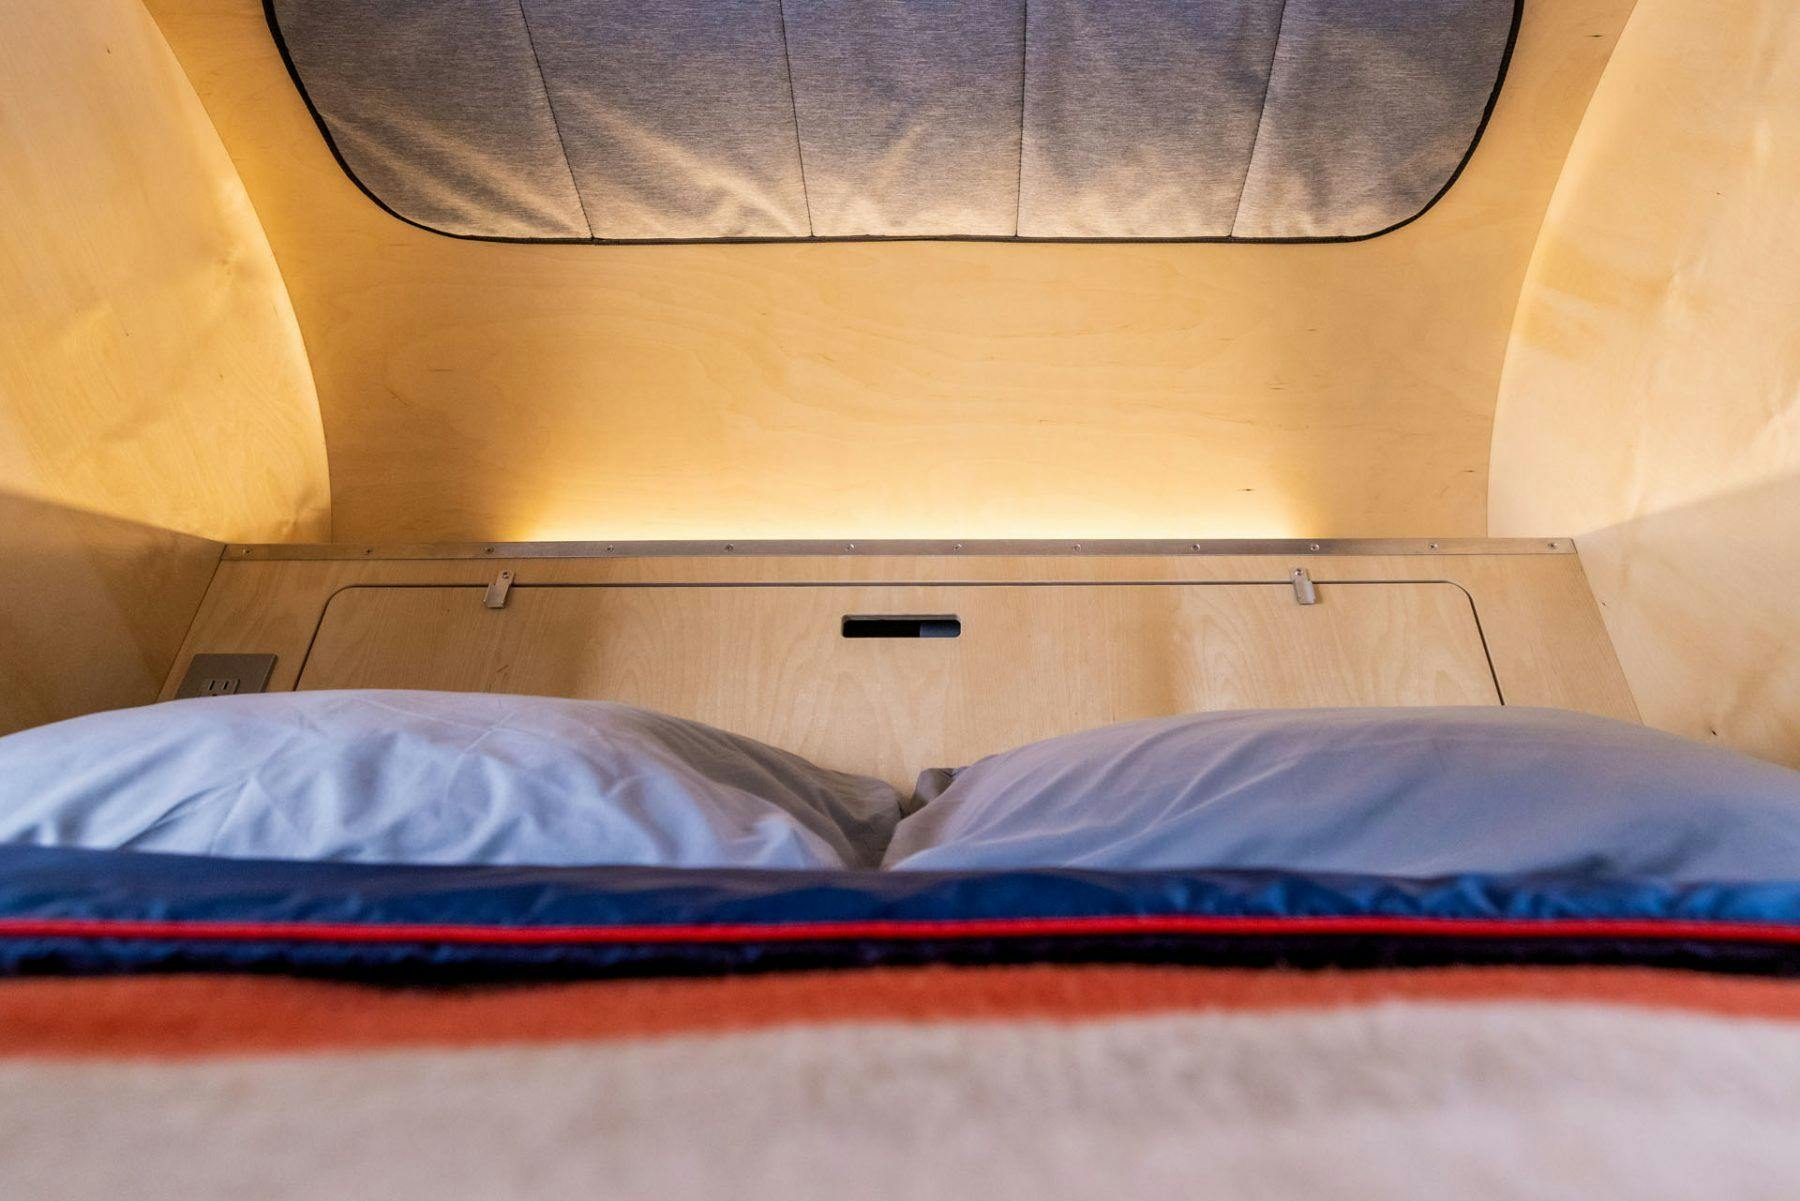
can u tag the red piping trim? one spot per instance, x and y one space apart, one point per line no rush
1021 927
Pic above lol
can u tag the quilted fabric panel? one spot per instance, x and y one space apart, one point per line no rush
672 120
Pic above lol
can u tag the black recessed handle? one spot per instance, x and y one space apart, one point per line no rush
897 625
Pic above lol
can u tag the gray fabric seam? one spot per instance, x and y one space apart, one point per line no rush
787 61
1024 67
1262 117
555 125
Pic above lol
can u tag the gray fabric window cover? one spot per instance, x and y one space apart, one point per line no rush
723 120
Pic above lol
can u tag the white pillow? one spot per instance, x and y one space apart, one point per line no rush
1399 792
426 777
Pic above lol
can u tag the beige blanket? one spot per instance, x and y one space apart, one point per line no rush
1030 1083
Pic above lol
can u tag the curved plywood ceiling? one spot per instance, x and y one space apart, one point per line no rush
154 390
145 323
1650 405
474 390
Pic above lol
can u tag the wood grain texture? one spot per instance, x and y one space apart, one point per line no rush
1650 403
771 655
491 391
1032 662
92 609
154 393
150 365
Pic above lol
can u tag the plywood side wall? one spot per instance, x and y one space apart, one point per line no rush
890 390
1651 401
154 391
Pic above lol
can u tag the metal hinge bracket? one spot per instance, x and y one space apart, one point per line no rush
496 591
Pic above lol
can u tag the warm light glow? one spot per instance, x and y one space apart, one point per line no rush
1260 515
151 368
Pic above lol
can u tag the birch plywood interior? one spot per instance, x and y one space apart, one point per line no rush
1030 662
154 391
1650 404
1048 643
473 390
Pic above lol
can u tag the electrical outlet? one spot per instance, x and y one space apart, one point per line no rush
225 675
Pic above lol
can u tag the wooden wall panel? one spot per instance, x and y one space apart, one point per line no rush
92 609
1032 661
1541 630
154 392
490 391
1650 403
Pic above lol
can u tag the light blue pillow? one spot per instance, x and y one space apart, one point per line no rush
1406 792
424 777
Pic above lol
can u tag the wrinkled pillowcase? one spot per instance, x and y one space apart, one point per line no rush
423 777
1401 792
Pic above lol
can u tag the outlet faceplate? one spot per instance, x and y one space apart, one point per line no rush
225 675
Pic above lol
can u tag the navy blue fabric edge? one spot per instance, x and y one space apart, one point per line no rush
48 886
